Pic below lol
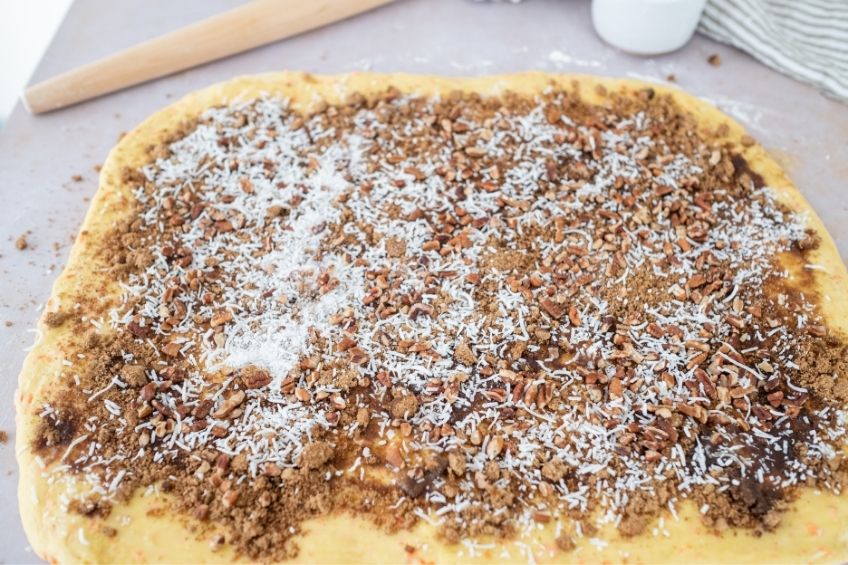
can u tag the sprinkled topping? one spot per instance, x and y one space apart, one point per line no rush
527 310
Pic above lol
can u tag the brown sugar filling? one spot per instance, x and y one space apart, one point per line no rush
482 312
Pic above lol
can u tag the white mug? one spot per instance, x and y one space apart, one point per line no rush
646 27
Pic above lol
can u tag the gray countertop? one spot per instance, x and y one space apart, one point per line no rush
40 156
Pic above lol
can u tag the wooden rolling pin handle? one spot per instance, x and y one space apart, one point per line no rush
246 27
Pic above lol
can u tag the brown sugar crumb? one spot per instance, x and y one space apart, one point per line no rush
4 436
395 247
21 243
315 455
134 375
507 260
714 60
565 543
632 525
76 178
91 507
55 319
464 354
519 301
404 405
554 470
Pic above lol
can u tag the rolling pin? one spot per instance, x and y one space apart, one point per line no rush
256 23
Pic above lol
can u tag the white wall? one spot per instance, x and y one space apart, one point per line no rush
26 27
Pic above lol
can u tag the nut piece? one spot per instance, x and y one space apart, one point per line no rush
696 280
357 356
677 292
494 447
254 377
616 389
172 349
345 343
393 456
574 316
230 404
221 318
230 498
302 394
655 330
148 391
553 309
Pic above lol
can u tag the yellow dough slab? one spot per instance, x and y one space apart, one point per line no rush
815 530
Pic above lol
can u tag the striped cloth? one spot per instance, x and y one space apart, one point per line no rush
806 39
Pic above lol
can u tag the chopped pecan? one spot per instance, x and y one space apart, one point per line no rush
228 405
254 377
553 309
